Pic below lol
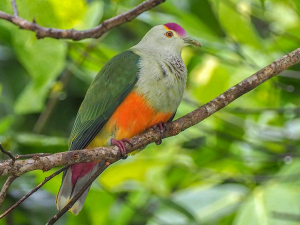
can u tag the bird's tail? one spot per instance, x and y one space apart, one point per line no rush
73 179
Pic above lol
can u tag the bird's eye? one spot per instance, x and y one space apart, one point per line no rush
169 34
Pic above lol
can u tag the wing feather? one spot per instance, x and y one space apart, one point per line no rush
110 87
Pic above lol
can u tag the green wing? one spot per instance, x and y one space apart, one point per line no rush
111 85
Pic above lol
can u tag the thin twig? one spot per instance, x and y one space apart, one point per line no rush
112 154
5 187
33 190
96 32
78 194
15 9
39 125
32 155
7 153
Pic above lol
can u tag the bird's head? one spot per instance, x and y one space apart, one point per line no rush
169 36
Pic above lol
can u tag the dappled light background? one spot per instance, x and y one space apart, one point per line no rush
240 166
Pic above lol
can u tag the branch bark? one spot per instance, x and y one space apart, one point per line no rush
14 6
5 187
11 179
96 32
7 153
112 154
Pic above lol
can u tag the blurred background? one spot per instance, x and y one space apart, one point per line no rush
240 166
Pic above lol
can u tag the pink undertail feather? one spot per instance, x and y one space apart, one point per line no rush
74 178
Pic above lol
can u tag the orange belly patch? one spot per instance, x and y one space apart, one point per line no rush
133 116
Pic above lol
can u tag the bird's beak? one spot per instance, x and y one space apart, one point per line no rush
191 41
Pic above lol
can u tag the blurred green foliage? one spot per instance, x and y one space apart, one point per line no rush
240 166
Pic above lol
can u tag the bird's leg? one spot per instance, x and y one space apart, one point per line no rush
121 146
161 128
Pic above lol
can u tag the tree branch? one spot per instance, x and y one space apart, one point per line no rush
5 187
112 154
78 194
15 9
96 32
30 193
31 155
7 153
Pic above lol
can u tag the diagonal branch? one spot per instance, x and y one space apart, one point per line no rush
30 193
31 155
96 32
112 154
14 6
7 153
5 187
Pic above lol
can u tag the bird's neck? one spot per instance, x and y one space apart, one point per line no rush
161 76
160 53
165 56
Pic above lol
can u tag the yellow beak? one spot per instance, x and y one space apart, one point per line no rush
191 41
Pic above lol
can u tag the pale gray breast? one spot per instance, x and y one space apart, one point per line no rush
162 82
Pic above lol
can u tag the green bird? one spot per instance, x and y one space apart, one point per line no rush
135 90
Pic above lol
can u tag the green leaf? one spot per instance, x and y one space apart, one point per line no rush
267 201
277 196
44 61
5 123
32 99
179 208
140 167
297 5
203 9
202 203
53 13
262 2
40 140
237 25
40 143
5 6
92 16
209 79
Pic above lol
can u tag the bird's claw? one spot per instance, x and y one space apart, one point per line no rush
161 128
121 145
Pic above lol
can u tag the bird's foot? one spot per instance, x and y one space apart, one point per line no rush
121 146
161 127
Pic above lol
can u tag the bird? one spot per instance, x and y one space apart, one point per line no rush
135 90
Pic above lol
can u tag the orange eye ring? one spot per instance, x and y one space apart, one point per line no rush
169 34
